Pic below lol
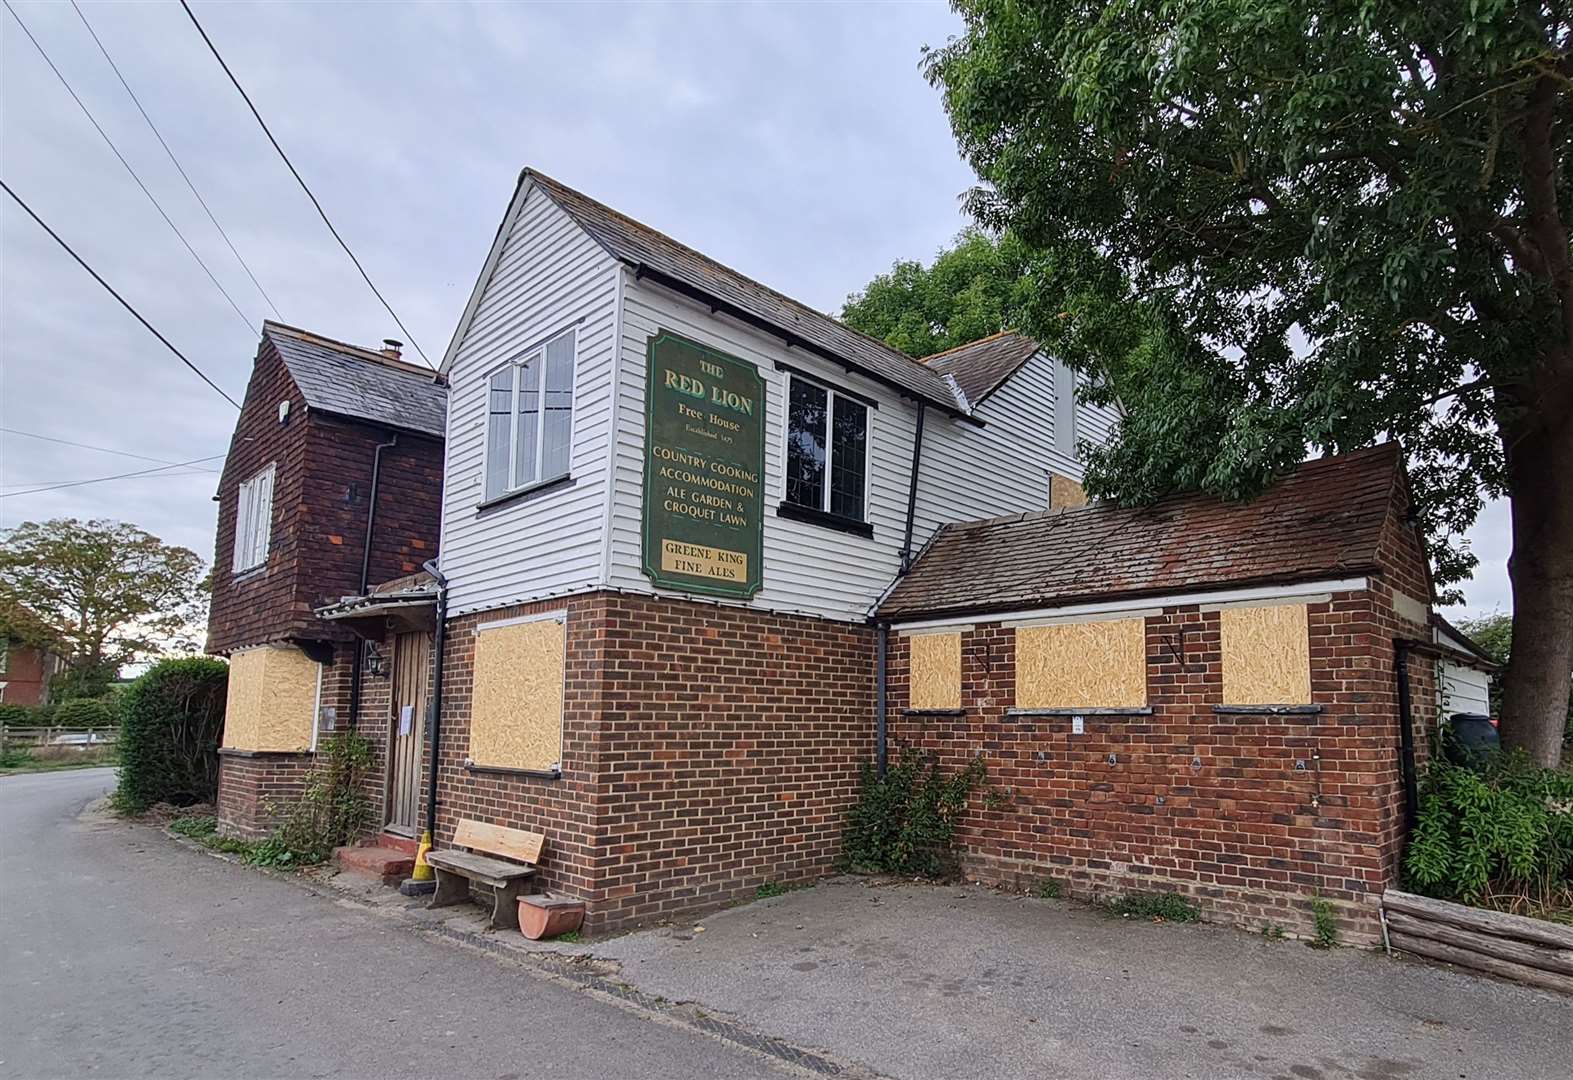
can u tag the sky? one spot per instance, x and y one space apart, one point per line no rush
798 143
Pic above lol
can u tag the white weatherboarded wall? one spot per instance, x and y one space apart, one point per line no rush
549 276
1003 468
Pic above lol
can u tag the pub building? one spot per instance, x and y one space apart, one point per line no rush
681 513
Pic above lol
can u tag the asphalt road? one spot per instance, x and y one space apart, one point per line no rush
123 954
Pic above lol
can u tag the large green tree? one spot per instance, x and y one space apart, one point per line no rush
105 593
1338 221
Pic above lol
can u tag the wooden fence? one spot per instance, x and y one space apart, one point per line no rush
46 736
1526 950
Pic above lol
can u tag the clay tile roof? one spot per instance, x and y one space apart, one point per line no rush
641 246
347 380
979 367
1323 521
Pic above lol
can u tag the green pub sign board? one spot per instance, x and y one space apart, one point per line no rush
704 469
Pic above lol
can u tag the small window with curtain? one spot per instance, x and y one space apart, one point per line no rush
529 418
253 521
826 451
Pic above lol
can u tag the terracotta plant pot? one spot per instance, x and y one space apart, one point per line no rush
543 915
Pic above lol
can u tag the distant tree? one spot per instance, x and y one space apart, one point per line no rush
105 593
1494 634
971 290
1340 222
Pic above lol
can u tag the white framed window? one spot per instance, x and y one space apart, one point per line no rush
529 418
254 521
826 450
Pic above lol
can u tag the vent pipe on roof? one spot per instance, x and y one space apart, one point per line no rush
392 348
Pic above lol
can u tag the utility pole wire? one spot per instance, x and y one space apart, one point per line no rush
174 160
111 290
88 446
118 476
294 172
250 328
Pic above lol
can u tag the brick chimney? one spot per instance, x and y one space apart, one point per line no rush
391 348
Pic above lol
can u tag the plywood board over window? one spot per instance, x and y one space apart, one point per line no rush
516 719
934 671
272 700
1082 665
1266 655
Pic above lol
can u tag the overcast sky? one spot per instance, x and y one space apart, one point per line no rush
798 143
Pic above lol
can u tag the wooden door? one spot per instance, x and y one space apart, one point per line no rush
411 657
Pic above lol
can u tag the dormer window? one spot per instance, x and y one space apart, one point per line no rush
529 418
254 521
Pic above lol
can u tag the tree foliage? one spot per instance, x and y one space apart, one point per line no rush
104 593
971 290
1287 223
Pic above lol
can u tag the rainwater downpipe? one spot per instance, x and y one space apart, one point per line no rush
1406 733
434 710
358 663
882 630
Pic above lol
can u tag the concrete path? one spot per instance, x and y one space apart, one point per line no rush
924 981
123 954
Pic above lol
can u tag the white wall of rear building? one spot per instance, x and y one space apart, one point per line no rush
549 276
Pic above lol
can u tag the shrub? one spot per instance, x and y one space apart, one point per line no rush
333 810
172 720
905 823
87 713
1500 835
14 715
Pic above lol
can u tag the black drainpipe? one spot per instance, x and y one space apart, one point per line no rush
1406 733
912 492
434 709
881 644
365 572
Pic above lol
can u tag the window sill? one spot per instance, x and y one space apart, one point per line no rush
240 577
1267 710
236 752
1140 710
525 494
827 520
933 712
501 770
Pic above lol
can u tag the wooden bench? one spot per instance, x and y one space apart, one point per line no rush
457 869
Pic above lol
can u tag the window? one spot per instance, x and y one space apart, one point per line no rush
529 418
516 709
254 521
827 451
934 672
1082 665
1266 655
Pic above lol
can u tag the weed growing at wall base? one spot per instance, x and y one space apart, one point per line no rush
905 822
1158 907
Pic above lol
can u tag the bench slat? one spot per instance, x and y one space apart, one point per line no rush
514 844
482 868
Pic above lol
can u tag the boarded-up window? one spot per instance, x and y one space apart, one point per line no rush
516 719
935 671
1082 665
1266 655
272 700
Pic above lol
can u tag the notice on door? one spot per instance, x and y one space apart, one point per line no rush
704 469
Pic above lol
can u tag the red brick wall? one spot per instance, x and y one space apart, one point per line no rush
26 678
706 750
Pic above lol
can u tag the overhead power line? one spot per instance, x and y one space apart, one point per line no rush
174 160
88 446
111 290
296 173
118 476
250 326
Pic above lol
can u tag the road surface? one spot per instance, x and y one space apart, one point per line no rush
124 954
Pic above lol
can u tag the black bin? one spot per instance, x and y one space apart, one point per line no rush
1469 738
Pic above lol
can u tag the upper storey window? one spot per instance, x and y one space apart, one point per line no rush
529 418
826 451
254 521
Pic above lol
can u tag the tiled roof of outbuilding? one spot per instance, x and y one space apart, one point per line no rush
1323 521
639 245
363 384
979 367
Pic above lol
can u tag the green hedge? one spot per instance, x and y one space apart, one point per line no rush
87 713
171 721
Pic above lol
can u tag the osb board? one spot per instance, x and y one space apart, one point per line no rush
272 700
1082 665
1266 655
934 671
517 715
1065 492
